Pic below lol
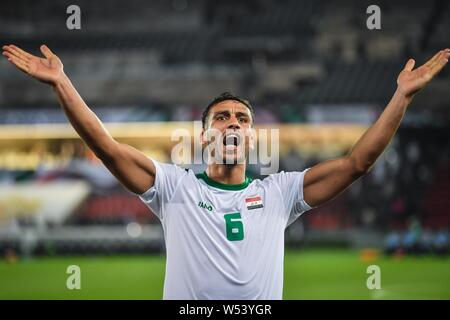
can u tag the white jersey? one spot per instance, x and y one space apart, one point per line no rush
224 241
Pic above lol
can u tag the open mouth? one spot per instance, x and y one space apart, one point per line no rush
231 141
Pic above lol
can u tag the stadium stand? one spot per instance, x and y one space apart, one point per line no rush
292 59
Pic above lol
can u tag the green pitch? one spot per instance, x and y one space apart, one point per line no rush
309 274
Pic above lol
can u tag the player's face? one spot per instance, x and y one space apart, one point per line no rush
230 122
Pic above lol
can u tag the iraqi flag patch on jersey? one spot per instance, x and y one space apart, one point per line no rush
253 202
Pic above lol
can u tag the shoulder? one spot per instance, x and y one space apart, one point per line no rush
170 173
285 182
170 168
284 176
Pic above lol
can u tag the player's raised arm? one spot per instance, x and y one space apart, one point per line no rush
328 179
133 169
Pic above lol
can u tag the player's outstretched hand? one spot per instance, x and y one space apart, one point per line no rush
411 81
47 70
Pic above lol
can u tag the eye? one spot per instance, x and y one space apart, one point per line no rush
243 119
221 117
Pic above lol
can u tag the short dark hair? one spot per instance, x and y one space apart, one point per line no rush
223 97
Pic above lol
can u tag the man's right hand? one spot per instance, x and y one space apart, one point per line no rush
48 70
131 167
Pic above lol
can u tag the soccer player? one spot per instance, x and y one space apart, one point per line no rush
224 233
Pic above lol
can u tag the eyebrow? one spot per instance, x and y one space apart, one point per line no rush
242 114
219 113
227 113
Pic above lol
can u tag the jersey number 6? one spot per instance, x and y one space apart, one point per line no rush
235 228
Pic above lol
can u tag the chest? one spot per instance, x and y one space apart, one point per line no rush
249 215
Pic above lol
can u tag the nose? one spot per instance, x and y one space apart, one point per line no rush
234 123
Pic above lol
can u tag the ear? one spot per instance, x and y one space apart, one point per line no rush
203 137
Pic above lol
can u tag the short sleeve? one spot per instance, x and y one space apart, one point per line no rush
167 178
291 188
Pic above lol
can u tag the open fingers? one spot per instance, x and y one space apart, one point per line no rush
10 55
437 57
433 59
410 65
437 66
46 51
13 50
19 63
23 52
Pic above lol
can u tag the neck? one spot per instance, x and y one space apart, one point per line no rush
227 174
